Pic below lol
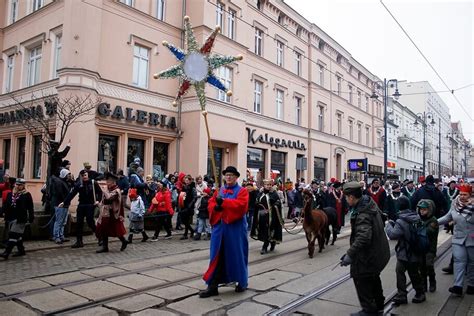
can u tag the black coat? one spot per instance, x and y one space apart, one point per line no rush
430 192
123 184
203 211
56 158
252 200
58 190
191 195
86 196
22 211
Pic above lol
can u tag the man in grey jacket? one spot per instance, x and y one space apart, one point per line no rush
407 260
369 252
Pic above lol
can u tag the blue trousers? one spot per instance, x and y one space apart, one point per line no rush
61 214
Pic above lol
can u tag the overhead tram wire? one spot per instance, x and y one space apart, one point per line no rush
426 59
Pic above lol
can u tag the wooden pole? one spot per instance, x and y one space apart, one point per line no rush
213 162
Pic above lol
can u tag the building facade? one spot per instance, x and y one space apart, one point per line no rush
300 107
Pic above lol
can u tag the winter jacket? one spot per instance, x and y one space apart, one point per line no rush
190 198
463 223
124 185
432 227
369 248
58 190
429 191
391 206
203 211
21 210
290 197
86 196
400 230
252 199
298 200
163 203
137 209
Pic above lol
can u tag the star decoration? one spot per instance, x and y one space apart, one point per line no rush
196 65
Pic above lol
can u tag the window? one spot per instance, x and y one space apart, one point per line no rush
37 4
257 97
298 110
37 144
260 4
366 103
280 49
107 154
220 15
339 124
379 139
367 136
321 118
279 104
319 168
359 99
258 42
140 66
34 66
6 154
298 63
9 75
231 24
359 133
225 75
127 2
57 55
350 95
13 11
135 149
299 30
281 19
21 158
160 10
321 75
338 85
160 160
351 130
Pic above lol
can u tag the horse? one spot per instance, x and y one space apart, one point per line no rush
315 223
332 221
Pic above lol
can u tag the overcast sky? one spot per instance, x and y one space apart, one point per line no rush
443 30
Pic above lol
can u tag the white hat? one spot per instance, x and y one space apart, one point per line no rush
63 173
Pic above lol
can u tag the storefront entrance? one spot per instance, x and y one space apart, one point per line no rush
278 166
218 161
256 165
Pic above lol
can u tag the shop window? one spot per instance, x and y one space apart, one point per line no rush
256 164
135 149
21 158
160 160
278 166
217 160
320 168
6 155
37 145
107 154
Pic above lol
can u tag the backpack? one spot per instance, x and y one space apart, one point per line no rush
418 243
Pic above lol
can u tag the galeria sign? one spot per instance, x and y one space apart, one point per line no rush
273 141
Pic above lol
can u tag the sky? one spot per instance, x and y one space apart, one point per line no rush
443 30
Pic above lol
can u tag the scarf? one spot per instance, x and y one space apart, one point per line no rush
410 193
464 208
451 196
16 195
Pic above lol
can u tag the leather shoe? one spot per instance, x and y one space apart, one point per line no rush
240 289
208 292
399 300
419 298
457 290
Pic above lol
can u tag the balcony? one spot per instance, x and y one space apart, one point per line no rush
404 138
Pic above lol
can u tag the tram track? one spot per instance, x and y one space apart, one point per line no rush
294 305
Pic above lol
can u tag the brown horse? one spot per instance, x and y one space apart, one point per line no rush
315 223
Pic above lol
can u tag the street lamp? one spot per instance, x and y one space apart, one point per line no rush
425 116
396 95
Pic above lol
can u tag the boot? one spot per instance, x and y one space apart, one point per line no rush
197 236
449 269
78 243
21 249
419 298
145 236
456 290
264 248
105 245
400 300
210 291
124 243
130 238
432 285
272 245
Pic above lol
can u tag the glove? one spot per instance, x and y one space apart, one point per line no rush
219 200
345 260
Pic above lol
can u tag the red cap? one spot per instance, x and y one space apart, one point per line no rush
132 193
421 179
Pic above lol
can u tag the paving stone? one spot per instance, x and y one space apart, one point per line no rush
11 308
98 290
275 298
136 281
53 300
323 308
102 271
135 303
65 278
196 284
22 287
137 265
198 267
174 292
248 308
312 281
95 311
169 274
198 306
265 281
154 312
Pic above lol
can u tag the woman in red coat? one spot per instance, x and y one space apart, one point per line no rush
162 209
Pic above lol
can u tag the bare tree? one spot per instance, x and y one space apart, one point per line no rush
58 113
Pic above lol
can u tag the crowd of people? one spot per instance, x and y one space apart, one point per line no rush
228 215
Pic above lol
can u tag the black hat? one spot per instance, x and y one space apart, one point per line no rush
110 176
375 179
337 184
395 186
65 163
452 181
409 181
231 169
430 179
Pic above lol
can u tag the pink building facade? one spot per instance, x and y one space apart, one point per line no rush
300 107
